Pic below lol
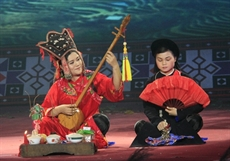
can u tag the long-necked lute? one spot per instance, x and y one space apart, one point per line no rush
73 122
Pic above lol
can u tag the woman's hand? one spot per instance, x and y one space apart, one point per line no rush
112 60
67 109
172 111
162 125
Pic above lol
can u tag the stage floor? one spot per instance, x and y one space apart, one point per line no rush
15 120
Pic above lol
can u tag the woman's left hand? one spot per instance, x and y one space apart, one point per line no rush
111 59
172 111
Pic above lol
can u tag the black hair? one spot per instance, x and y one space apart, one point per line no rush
67 54
163 45
102 121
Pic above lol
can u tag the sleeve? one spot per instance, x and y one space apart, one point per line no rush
51 99
183 113
104 87
152 112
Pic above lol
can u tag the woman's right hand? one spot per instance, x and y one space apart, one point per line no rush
162 125
67 109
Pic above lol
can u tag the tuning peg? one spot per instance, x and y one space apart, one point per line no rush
114 33
116 28
122 36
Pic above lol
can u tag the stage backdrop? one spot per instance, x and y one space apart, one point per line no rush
200 28
207 61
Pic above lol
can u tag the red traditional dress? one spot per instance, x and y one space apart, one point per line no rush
67 92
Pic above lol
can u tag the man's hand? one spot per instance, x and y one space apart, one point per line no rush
172 111
162 125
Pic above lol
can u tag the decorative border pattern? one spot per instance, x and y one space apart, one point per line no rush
23 71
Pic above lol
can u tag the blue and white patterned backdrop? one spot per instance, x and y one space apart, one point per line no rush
23 71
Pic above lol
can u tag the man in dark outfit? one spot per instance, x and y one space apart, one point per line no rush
185 121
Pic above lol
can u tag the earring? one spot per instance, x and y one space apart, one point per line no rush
68 76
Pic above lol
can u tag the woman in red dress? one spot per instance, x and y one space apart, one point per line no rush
71 78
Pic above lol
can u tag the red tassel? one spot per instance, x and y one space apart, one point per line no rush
70 32
126 76
65 66
123 31
57 74
42 53
58 70
52 59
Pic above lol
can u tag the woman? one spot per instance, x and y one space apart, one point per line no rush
71 79
186 121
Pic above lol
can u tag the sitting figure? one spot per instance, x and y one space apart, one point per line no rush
61 115
175 118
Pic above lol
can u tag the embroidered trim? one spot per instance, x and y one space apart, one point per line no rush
169 73
71 90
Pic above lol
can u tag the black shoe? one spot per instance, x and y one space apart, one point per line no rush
138 125
102 122
196 121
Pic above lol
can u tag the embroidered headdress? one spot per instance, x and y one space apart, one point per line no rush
58 45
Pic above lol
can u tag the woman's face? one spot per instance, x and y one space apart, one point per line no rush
75 64
165 61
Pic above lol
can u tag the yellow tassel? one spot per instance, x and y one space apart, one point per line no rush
126 68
